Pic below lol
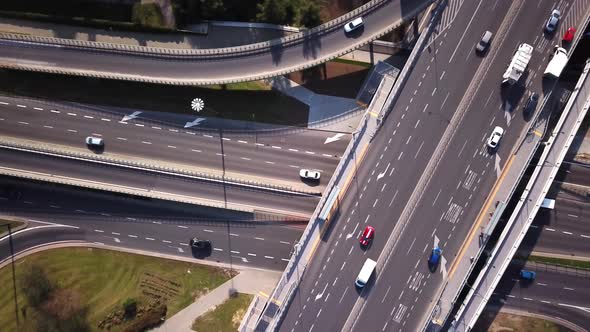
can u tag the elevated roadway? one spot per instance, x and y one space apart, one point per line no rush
426 174
281 153
311 48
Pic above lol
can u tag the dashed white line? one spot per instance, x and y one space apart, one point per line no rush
250 254
107 120
72 130
55 111
88 117
150 238
48 127
259 238
173 130
133 236
72 114
24 123
208 136
139 125
294 150
99 231
568 233
547 302
21 106
121 138
115 233
172 146
217 249
195 150
4 103
208 231
54 206
567 288
158 128
243 142
285 260
284 242
572 215
309 152
166 241
270 162
145 142
269 257
37 108
129 218
550 229
180 226
233 234
244 158
527 298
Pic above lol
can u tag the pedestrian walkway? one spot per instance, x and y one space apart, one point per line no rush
248 282
325 112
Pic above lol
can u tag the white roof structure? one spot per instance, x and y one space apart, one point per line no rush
518 65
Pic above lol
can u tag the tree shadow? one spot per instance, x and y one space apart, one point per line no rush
311 44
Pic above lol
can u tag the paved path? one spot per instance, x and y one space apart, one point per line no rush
248 281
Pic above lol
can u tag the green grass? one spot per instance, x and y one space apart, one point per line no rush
226 317
13 224
147 14
508 322
353 62
103 279
248 101
563 262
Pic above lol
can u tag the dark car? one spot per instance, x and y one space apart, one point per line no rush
434 258
531 104
200 244
528 275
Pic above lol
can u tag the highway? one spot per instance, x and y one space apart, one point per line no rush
118 178
280 153
427 173
566 229
59 213
208 69
554 293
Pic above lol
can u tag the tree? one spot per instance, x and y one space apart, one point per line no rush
272 11
130 308
36 286
310 15
212 9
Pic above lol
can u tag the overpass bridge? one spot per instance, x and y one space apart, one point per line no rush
206 66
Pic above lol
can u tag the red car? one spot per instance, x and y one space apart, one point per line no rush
367 236
569 35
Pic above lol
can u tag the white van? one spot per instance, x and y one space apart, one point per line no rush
548 203
365 273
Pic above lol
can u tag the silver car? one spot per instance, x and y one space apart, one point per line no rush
353 25
94 141
309 174
484 42
553 21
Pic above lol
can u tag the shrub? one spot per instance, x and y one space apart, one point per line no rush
36 286
150 319
148 15
130 308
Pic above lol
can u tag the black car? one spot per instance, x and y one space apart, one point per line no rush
200 244
531 103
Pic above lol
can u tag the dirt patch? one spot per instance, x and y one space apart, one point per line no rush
332 78
503 322
63 304
334 8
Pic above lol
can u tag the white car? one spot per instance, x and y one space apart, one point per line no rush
94 141
553 21
309 174
353 25
495 137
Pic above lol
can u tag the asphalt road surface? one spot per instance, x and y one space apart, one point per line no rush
59 213
88 173
280 153
553 293
447 79
566 229
275 60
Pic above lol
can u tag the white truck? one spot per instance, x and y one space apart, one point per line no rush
557 63
520 60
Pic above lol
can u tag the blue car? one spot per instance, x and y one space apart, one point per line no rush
435 256
528 275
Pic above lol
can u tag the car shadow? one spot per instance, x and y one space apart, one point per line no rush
201 253
311 182
96 149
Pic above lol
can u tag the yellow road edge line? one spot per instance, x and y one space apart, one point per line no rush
374 114
480 218
261 293
538 133
348 180
313 248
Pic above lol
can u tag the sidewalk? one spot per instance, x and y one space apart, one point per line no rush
326 112
248 281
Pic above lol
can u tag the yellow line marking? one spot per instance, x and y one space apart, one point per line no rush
480 218
313 248
538 133
374 114
263 294
352 174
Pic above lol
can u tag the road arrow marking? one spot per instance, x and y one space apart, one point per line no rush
319 296
131 116
507 113
117 240
385 171
194 122
443 267
333 138
436 241
497 165
348 236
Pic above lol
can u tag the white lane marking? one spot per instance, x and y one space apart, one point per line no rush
527 298
464 32
217 249
139 125
585 236
243 142
568 233
567 288
4 103
572 215
88 117
259 238
99 230
107 120
173 130
269 257
284 242
21 106
244 158
249 254
121 138
208 231
326 155
24 123
541 284
195 150
80 211
150 238
545 301
172 146
37 108
72 114
276 147
48 127
233 234
208 136
154 127
309 152
550 229
117 240
129 218
285 260
115 233
270 162
259 144
145 142
294 150
105 214
72 130
342 297
55 111
180 226
133 236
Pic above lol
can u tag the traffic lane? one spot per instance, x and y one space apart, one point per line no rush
556 240
143 181
313 48
87 117
247 159
568 215
40 235
573 172
236 243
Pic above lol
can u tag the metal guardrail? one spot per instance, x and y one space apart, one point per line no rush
152 168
